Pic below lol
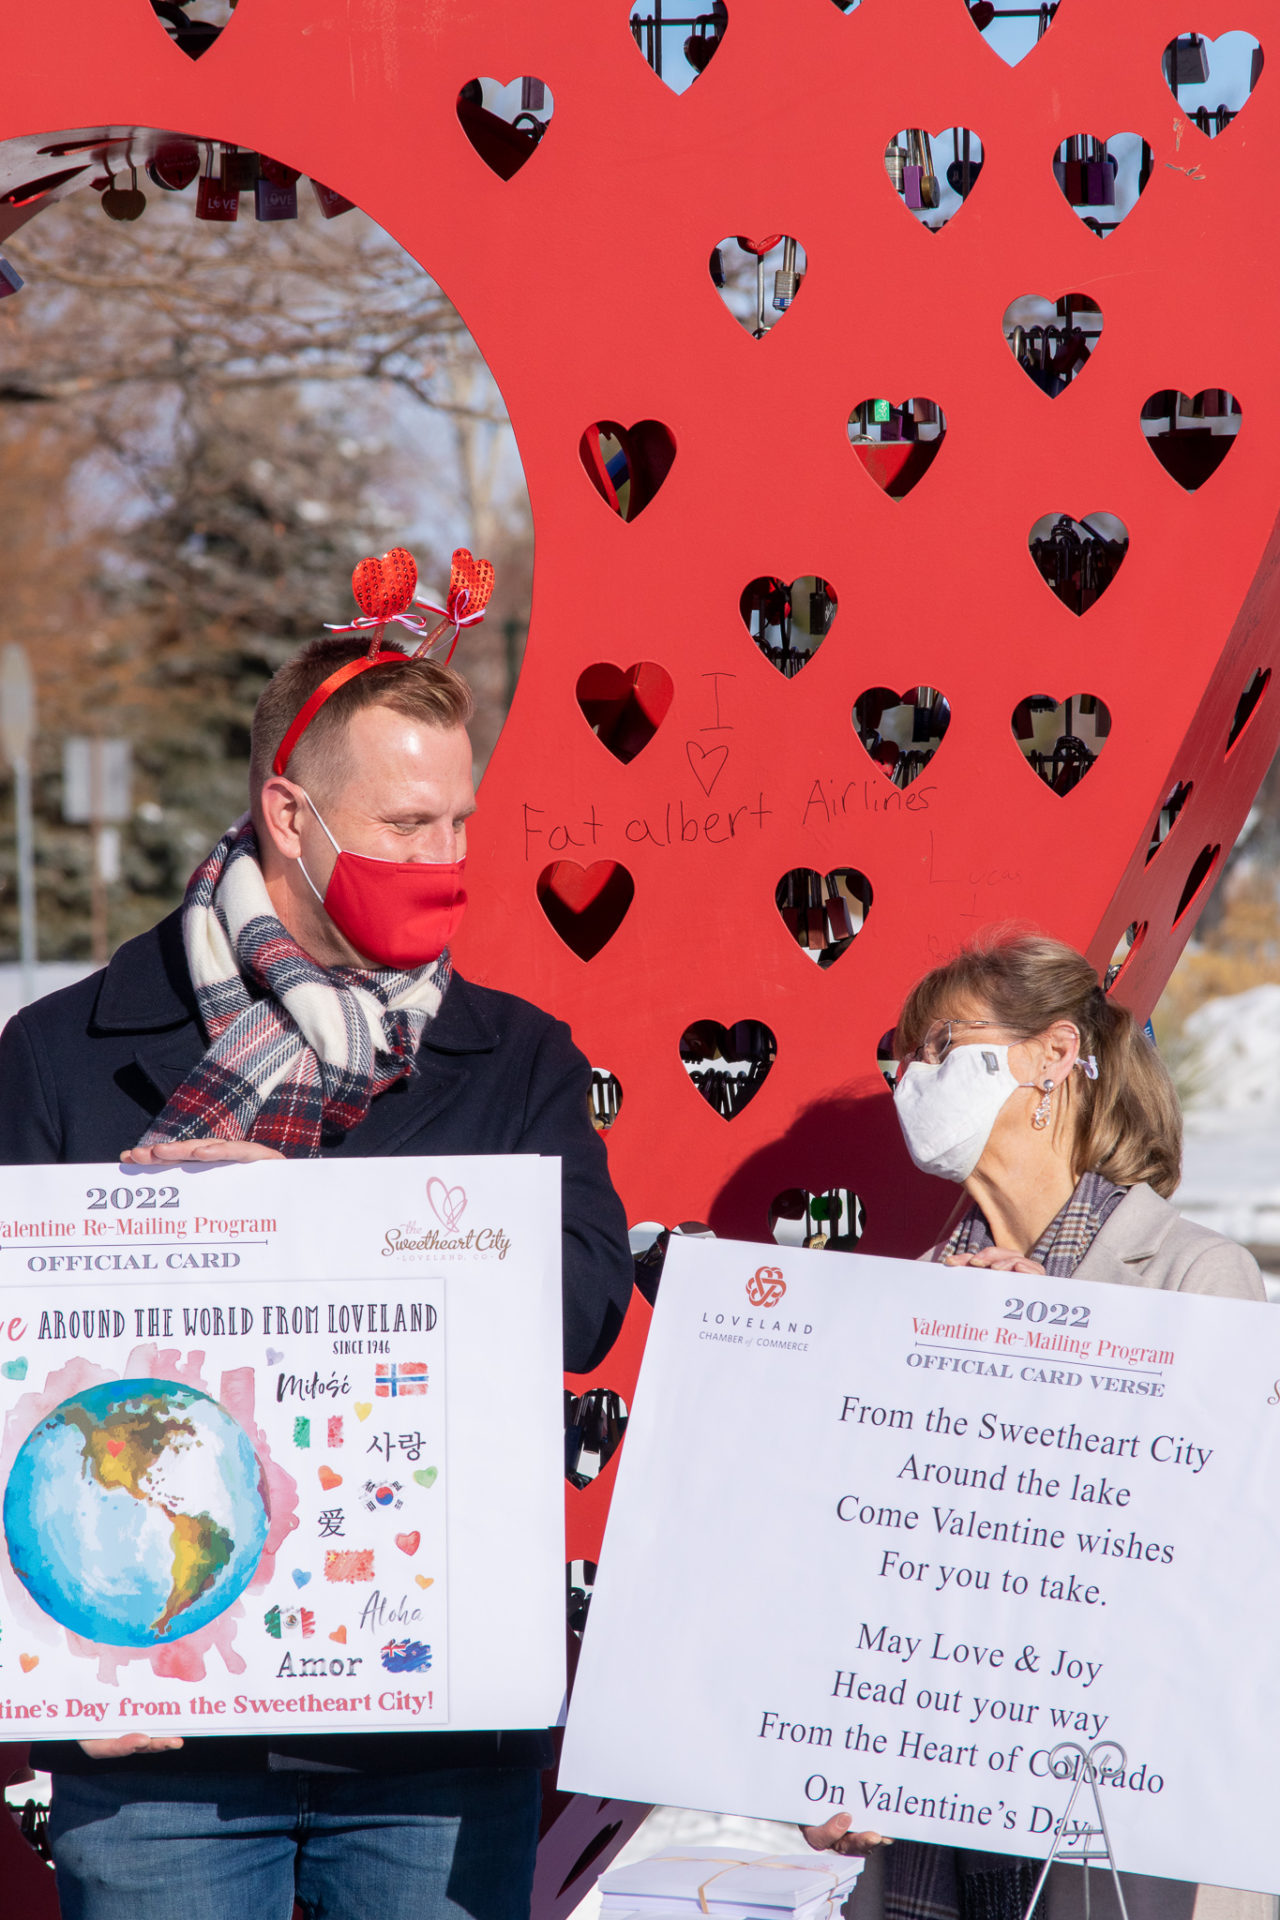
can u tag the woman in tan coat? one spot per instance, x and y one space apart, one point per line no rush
1023 1082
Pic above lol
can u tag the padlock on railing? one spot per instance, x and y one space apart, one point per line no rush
786 281
1186 61
1099 176
705 38
214 201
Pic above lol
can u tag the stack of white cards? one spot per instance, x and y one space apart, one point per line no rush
728 1883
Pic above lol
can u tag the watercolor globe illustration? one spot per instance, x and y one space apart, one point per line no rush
136 1512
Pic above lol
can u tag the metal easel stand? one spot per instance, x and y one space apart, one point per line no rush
1086 1845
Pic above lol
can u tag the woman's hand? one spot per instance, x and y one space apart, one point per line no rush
835 1837
168 1153
127 1743
998 1259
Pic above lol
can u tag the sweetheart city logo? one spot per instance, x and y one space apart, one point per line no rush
765 1289
448 1205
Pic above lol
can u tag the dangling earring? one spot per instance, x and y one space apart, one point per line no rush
1040 1118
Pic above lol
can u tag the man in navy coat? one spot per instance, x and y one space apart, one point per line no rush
302 1002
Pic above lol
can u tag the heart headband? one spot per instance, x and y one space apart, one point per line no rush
385 591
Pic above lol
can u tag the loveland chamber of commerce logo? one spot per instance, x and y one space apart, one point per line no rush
766 1287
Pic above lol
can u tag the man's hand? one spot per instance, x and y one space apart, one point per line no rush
169 1153
127 1743
835 1837
998 1259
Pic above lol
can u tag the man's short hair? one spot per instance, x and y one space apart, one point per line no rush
422 690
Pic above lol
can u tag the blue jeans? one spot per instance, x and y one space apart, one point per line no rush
441 1845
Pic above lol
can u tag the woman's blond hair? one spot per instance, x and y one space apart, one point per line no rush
1127 1123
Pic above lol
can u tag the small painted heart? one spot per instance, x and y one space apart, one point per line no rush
408 1542
384 588
115 1448
424 1580
300 1579
28 1660
363 1409
14 1370
274 1356
328 1478
340 1635
426 1476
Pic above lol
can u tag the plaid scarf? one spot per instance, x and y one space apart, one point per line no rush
294 1048
944 1883
1068 1236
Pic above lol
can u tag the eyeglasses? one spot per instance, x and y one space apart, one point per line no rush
938 1042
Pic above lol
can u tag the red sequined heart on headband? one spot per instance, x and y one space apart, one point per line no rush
472 577
383 588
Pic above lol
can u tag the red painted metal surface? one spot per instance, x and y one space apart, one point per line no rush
584 279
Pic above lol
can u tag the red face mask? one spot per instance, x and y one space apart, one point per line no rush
401 913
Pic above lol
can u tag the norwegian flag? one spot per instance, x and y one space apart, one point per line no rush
289 1622
395 1378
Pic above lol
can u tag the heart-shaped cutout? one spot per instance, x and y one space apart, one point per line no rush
625 706
340 1635
505 121
897 442
1012 32
585 905
1103 180
758 278
1197 879
409 1542
823 912
835 1219
363 1409
28 1661
1168 814
425 1580
1211 80
901 731
728 1065
678 49
193 36
1247 704
594 1424
1127 945
801 615
605 1099
328 1478
933 198
1191 434
1078 559
426 1476
300 1578
627 465
14 1370
1061 740
384 588
1052 340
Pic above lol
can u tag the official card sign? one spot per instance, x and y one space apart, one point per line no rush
885 1534
281 1447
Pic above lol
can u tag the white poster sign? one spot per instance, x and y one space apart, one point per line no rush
885 1534
281 1447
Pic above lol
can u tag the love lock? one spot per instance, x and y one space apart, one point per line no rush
124 203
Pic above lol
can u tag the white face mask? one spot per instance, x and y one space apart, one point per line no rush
947 1112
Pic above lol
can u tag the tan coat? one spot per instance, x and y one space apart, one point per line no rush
1145 1243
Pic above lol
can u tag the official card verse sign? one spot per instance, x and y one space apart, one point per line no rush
281 1448
912 1527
